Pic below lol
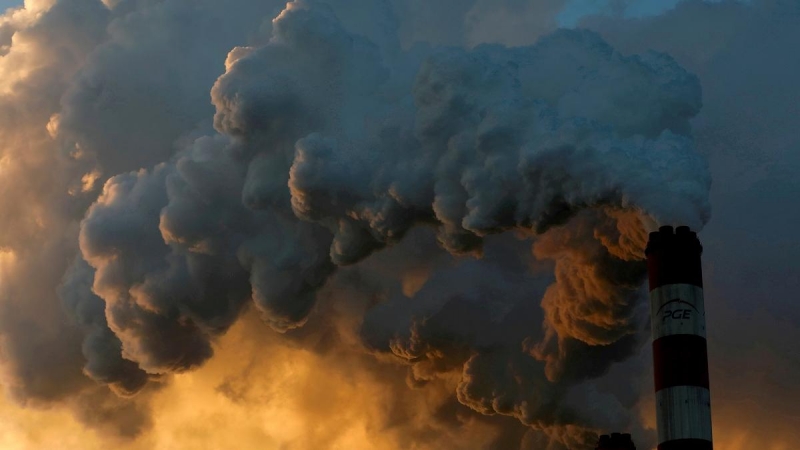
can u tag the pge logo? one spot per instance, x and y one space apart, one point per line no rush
676 309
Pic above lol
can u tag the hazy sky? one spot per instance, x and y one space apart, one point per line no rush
574 10
347 224
4 4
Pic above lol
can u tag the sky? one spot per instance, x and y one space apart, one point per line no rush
394 224
575 10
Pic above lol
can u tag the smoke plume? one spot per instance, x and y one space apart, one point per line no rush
466 221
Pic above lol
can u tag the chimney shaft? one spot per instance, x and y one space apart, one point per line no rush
683 403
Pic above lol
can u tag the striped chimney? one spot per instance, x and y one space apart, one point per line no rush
683 403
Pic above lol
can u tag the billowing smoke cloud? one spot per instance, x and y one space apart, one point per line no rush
495 145
363 145
123 376
474 215
490 143
41 351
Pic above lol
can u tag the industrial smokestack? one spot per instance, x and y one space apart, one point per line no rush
683 403
615 441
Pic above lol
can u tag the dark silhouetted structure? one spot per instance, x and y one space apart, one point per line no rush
615 441
683 401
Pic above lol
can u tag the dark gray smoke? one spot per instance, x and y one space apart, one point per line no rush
513 186
321 124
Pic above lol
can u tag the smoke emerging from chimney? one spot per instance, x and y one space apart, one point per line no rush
538 169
